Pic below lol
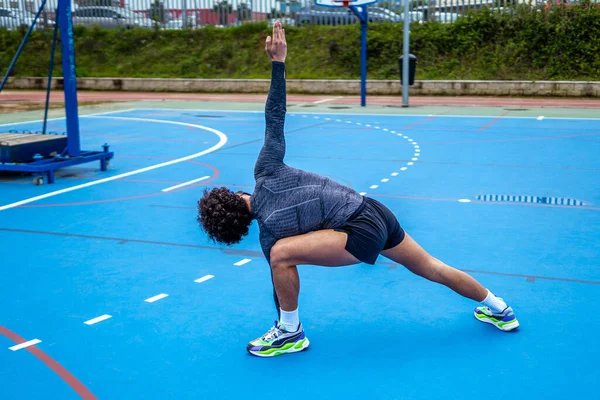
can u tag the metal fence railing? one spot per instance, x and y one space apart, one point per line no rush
192 14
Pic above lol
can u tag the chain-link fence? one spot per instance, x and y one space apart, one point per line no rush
193 14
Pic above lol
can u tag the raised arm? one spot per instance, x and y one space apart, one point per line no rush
273 151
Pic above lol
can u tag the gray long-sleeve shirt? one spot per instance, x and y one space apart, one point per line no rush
288 201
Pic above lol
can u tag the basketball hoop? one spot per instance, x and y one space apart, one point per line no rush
343 3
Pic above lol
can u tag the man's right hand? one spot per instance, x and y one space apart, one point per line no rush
276 46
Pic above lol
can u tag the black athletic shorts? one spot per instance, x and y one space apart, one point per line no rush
372 229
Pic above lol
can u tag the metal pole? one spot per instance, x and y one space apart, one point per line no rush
363 58
184 12
70 82
364 20
405 60
20 49
50 69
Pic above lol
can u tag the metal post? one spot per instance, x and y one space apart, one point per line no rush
363 58
184 12
70 82
364 20
50 69
405 60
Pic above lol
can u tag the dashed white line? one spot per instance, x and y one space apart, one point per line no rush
242 262
316 117
377 127
327 119
384 180
374 187
417 147
362 193
338 120
25 344
385 129
156 298
393 131
464 200
417 150
394 174
367 125
185 184
410 163
399 134
403 169
204 278
541 117
410 140
98 319
414 158
416 154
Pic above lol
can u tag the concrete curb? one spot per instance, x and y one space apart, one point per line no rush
324 87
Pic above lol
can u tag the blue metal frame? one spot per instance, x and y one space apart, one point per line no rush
364 20
73 154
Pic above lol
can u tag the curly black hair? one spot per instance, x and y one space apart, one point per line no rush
224 215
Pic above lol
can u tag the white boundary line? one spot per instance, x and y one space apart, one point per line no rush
25 344
185 184
204 278
222 141
156 298
326 100
98 319
58 118
365 114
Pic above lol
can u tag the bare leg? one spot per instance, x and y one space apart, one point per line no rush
418 261
325 248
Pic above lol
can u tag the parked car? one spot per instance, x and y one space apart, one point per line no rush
321 15
12 19
110 18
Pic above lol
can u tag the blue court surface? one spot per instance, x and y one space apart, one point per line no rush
514 201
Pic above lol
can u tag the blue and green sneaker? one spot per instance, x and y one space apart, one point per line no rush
278 341
505 321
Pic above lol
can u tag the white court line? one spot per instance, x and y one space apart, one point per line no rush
362 193
403 169
394 174
414 158
464 200
362 115
541 117
221 143
156 298
204 278
25 344
326 100
242 262
98 319
374 187
59 118
410 163
185 184
384 180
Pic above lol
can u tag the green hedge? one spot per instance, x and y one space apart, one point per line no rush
561 44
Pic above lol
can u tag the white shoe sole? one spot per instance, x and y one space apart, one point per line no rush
294 349
506 328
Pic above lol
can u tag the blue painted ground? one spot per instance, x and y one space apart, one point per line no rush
376 332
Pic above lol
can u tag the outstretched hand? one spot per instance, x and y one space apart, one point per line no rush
276 46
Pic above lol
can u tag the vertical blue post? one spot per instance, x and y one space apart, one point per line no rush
70 81
364 20
363 59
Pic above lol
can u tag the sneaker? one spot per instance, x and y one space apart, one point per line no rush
278 341
505 321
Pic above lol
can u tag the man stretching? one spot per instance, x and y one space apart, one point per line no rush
305 218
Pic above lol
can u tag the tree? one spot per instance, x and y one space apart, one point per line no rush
223 9
157 11
244 13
